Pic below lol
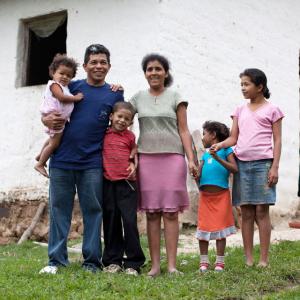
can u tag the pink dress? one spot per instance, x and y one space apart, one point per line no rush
51 104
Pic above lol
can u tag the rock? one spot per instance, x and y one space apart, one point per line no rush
80 229
74 235
40 232
7 233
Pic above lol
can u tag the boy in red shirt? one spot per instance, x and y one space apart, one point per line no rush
120 196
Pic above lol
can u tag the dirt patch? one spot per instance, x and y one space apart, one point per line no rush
189 244
15 218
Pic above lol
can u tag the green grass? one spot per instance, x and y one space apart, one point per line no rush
19 278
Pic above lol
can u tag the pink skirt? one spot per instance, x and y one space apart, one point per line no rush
162 183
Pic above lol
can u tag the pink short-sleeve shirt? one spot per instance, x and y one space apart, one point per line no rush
255 131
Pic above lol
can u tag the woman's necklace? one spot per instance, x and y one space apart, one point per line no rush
155 100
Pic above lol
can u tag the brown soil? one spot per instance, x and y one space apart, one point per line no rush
15 218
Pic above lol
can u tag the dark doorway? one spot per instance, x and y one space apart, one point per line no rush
41 51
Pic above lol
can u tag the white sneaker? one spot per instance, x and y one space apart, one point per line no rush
131 271
112 268
49 270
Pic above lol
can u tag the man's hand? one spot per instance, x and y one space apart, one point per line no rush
116 87
54 121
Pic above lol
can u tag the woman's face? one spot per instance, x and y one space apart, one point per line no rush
155 74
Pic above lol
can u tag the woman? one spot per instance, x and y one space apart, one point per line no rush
163 141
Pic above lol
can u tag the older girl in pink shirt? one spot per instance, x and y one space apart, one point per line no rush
254 125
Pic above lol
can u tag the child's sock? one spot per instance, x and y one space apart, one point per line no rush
204 263
219 266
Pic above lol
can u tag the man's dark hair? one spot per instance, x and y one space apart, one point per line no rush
96 49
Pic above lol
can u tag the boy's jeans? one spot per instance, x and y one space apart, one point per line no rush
63 186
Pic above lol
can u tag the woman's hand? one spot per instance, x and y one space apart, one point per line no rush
116 87
273 176
193 169
54 121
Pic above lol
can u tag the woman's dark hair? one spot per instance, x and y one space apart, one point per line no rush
62 60
96 49
163 61
221 130
124 105
258 77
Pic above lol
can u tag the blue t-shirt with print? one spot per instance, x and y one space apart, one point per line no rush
213 173
82 140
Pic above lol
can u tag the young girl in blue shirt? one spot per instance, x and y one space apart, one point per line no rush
215 218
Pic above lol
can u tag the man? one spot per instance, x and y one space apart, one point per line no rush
76 166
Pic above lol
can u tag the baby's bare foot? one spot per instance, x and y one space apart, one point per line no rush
41 169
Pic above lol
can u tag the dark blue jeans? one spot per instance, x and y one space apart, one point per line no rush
63 186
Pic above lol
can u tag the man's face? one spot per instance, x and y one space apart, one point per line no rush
96 68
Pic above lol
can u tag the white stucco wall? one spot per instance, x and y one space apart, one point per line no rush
208 43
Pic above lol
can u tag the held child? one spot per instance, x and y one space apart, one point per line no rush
254 124
215 218
57 98
120 196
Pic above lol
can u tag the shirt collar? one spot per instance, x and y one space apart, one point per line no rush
110 131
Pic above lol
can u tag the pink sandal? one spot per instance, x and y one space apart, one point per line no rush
219 266
203 267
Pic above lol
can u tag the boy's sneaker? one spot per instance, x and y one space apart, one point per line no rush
112 268
90 268
131 271
49 270
203 267
219 267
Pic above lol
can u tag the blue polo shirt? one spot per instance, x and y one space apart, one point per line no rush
82 140
213 173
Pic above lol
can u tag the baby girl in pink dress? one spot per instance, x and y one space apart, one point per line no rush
57 98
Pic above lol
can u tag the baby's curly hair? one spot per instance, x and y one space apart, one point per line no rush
221 130
62 59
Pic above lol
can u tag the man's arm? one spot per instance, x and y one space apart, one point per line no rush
54 121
